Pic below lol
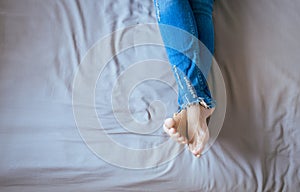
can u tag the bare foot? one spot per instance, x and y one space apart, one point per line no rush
190 127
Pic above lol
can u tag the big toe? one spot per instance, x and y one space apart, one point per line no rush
198 144
169 123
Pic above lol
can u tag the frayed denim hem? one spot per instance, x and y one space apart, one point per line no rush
208 104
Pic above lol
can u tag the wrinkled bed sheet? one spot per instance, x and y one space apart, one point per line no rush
42 44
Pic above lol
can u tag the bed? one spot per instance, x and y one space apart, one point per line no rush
46 145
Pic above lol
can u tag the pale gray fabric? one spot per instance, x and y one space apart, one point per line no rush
41 46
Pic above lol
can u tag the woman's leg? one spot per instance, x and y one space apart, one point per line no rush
174 16
192 86
202 10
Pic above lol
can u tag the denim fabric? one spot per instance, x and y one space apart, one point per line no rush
182 24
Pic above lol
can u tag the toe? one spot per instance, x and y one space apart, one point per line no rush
169 123
198 150
172 131
180 139
175 136
166 129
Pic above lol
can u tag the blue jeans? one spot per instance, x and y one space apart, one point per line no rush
187 30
